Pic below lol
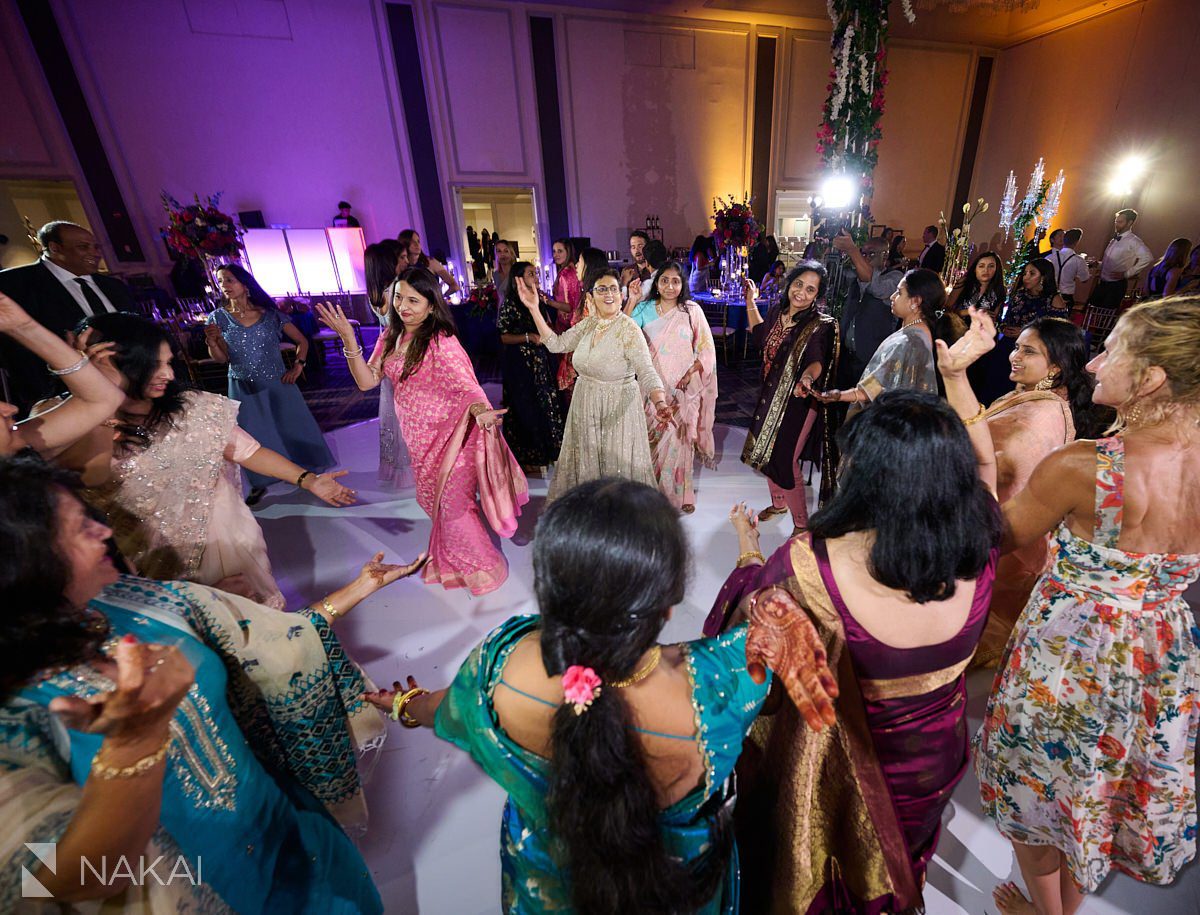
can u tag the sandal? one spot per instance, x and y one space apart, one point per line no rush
770 512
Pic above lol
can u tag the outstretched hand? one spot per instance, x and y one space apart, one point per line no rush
382 699
784 639
980 338
326 488
332 316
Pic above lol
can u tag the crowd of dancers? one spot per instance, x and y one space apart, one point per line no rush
156 701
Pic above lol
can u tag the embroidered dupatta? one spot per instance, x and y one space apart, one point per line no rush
820 828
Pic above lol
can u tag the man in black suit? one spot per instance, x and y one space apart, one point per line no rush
933 256
58 290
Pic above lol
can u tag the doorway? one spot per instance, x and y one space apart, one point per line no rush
503 212
40 202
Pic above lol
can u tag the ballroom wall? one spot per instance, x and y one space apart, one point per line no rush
284 107
289 105
1087 96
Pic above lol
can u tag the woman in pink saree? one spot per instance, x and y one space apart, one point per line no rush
847 819
449 427
681 345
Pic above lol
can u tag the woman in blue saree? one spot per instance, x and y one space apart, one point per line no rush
616 752
141 719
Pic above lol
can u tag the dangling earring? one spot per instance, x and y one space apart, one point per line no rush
1047 383
1134 417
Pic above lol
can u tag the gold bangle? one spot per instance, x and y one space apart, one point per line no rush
750 554
976 418
400 706
142 766
328 608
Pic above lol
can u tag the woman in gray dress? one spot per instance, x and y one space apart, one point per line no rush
606 426
905 360
245 332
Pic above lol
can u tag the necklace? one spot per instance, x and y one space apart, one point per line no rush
233 308
643 672
912 323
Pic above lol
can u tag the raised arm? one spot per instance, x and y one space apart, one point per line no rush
214 339
335 319
952 363
438 269
86 370
847 245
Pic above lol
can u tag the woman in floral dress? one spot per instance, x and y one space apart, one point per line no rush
1086 759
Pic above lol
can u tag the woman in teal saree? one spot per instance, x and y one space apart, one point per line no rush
616 752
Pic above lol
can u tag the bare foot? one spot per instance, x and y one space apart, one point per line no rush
1011 901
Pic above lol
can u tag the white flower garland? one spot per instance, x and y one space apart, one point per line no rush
906 6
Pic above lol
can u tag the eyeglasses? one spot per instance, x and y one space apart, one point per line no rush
607 291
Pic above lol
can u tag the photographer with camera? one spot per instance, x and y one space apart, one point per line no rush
867 317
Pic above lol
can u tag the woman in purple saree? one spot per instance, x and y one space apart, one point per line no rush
896 574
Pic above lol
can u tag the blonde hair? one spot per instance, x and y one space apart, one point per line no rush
1163 333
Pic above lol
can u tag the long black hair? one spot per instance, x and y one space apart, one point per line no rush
514 293
908 473
254 292
970 284
379 261
438 321
1046 269
609 560
138 344
926 285
594 262
1068 349
38 627
652 293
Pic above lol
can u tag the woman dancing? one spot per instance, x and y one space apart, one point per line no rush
615 751
383 262
681 346
1086 758
245 332
173 723
170 486
606 425
533 426
1050 407
896 573
800 355
449 428
905 360
587 267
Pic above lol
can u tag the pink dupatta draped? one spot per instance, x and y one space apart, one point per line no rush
677 340
452 460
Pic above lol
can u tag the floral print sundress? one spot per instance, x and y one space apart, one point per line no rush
1089 739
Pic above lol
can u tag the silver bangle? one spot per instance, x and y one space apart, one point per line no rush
352 353
70 369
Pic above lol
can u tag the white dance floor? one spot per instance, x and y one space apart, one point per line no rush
433 841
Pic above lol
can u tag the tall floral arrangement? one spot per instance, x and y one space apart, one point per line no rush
849 134
1037 208
735 222
200 229
958 242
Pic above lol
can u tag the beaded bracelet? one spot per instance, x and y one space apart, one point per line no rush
70 369
328 608
143 765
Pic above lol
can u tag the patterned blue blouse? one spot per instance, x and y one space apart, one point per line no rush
253 351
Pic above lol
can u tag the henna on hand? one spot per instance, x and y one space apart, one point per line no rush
784 639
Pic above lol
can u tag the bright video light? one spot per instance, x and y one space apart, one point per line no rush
1127 174
839 191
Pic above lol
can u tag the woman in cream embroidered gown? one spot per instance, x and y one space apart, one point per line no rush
173 493
606 425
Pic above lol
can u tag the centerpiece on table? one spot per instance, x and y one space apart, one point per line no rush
200 230
736 231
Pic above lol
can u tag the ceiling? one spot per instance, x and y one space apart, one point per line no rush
977 27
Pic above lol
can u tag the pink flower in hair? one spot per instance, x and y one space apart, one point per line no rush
580 686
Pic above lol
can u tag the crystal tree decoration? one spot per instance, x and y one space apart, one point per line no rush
1053 196
1008 203
1035 185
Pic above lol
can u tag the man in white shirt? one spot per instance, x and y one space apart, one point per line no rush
58 290
1124 258
1070 268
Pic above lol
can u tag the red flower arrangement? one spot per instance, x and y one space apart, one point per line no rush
200 229
735 222
483 300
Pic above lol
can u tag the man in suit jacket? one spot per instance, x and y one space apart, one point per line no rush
933 255
58 290
867 317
